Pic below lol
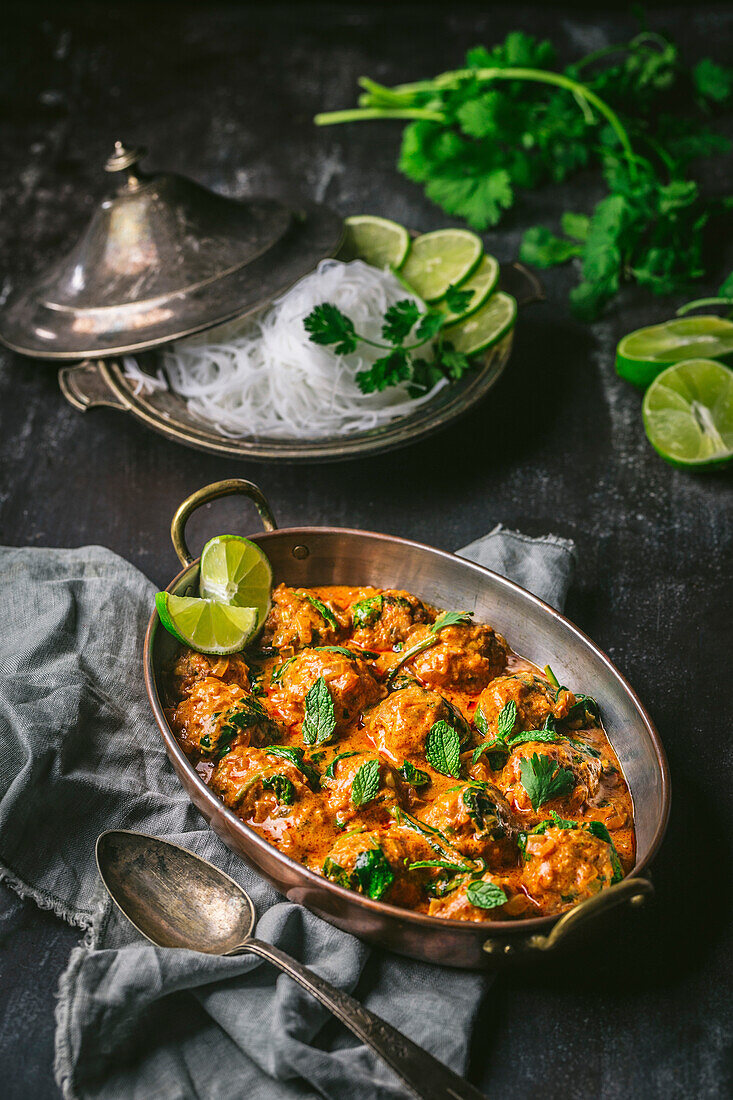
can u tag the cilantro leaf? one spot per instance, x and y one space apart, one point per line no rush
451 618
372 873
481 200
416 777
389 370
485 895
325 612
430 325
457 300
712 81
541 248
365 784
543 779
443 749
399 320
281 786
454 363
319 723
326 324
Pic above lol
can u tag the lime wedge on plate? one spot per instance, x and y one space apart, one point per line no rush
441 259
481 284
485 327
641 355
206 625
688 414
235 571
376 241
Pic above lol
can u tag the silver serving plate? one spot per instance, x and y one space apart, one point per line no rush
97 382
307 556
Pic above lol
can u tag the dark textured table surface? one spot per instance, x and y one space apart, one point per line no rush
227 95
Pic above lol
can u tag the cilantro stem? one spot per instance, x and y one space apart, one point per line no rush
403 93
364 114
699 302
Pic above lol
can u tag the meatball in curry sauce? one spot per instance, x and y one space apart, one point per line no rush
408 754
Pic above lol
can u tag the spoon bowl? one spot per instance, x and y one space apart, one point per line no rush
173 897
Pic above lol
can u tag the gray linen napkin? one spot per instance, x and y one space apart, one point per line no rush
79 755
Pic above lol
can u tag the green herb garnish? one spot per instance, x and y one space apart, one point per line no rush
365 784
543 779
330 772
281 786
511 120
319 723
451 618
447 618
327 325
443 749
295 756
324 611
596 828
485 895
366 612
372 873
416 777
454 868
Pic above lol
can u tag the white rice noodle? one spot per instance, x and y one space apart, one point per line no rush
264 377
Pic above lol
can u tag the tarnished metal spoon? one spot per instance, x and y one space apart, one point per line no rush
177 899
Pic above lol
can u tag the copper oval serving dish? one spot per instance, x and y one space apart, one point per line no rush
308 556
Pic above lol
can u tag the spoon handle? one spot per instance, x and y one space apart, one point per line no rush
424 1075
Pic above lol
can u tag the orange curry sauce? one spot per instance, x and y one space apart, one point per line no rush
366 767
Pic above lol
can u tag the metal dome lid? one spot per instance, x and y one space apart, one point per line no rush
162 258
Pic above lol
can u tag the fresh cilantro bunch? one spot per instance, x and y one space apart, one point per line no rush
511 120
405 328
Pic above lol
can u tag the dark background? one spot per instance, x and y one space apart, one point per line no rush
226 94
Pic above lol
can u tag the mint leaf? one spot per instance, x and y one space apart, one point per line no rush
506 719
365 784
443 749
399 320
485 895
330 772
416 777
319 722
456 868
372 873
282 787
336 873
479 721
325 612
295 756
543 779
366 612
326 324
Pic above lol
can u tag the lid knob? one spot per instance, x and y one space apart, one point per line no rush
125 158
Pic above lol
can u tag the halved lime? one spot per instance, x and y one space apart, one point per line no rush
439 259
235 570
483 329
376 241
481 284
643 354
206 625
688 414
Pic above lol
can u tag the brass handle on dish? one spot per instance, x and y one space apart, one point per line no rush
211 492
632 891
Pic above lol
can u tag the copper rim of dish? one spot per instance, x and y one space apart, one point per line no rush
378 908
